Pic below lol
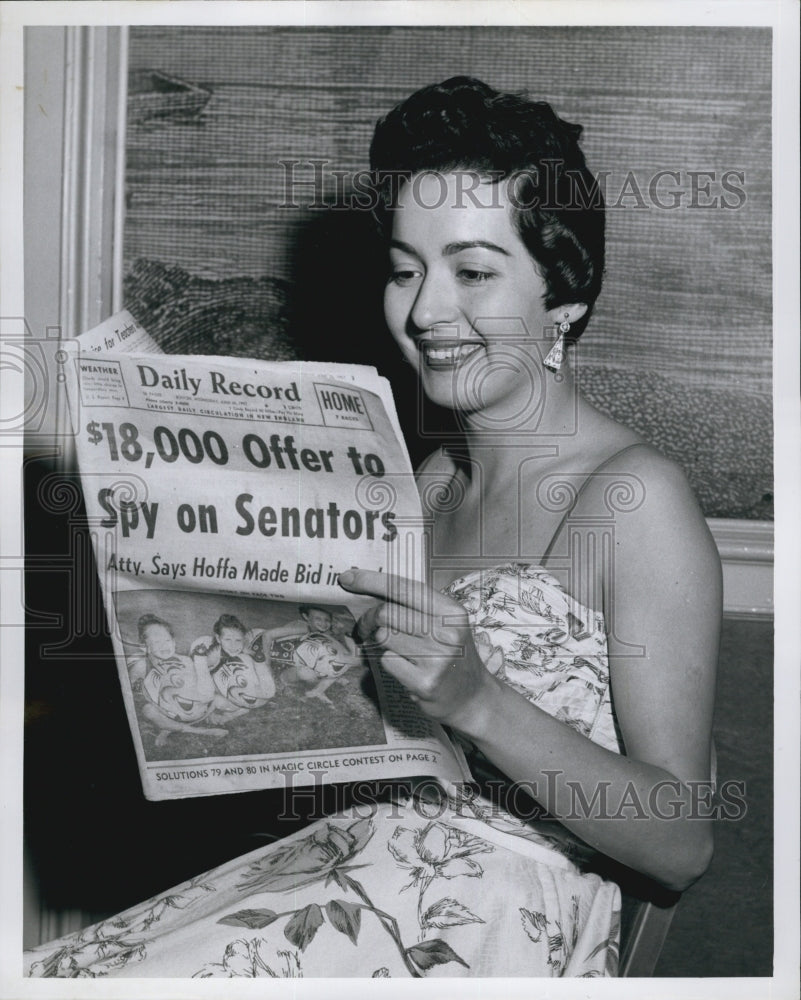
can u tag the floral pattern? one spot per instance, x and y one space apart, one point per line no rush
112 945
540 928
324 853
393 891
544 644
243 959
436 851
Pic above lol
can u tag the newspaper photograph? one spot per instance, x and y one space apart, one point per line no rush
224 497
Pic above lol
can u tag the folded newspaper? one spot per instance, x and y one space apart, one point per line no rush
224 497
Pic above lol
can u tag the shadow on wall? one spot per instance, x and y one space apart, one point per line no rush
333 312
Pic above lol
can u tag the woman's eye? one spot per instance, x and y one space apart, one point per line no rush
472 276
403 276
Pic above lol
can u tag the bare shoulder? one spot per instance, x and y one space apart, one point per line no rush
438 464
640 480
656 515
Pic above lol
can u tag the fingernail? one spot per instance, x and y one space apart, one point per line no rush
347 577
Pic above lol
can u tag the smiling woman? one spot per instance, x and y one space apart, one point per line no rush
568 631
464 292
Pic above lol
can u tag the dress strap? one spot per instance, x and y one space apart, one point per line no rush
588 479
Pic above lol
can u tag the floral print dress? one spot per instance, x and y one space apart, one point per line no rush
451 885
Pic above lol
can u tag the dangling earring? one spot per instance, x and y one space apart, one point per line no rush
556 355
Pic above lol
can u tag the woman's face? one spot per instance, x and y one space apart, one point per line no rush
465 299
232 641
159 643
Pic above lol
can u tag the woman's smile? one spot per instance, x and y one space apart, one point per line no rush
447 356
465 298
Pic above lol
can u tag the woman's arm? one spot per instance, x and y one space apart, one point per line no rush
663 596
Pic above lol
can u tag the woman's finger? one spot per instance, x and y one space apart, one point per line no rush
367 624
396 620
405 672
399 590
388 587
420 650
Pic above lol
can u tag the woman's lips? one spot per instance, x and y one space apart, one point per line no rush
441 356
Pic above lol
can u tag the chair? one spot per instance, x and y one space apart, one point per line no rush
643 938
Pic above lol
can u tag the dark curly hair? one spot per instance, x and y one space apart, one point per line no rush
228 621
463 124
147 620
304 609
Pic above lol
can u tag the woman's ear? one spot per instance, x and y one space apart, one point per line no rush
570 312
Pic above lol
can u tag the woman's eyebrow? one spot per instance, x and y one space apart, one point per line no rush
452 248
405 247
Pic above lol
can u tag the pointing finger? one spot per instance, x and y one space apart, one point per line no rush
397 589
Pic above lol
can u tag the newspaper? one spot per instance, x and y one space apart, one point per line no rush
223 498
121 333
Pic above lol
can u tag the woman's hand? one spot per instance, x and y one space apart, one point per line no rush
425 641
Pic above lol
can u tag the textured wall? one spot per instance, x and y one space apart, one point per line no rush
679 346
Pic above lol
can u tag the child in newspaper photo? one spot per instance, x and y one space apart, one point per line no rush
178 690
243 683
567 634
225 695
318 649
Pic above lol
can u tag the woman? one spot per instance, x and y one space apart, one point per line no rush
569 631
479 269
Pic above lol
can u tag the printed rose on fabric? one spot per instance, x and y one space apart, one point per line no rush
437 851
542 930
87 959
500 601
141 920
471 600
116 942
310 859
244 959
532 600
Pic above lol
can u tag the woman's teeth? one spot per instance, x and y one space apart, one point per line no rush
449 355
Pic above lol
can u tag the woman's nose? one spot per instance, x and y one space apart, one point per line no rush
435 303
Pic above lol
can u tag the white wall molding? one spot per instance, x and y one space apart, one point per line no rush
93 176
746 551
73 196
73 206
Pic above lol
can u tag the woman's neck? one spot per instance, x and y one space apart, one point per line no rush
551 429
